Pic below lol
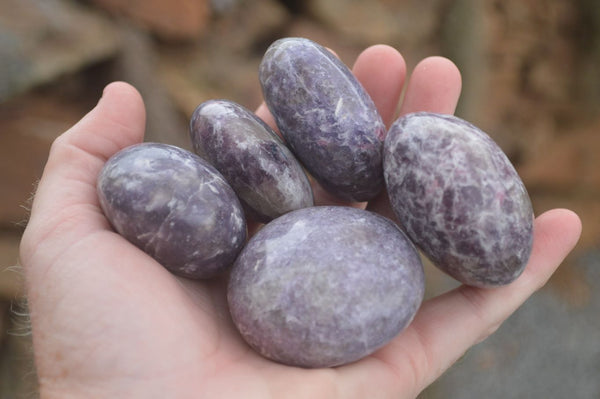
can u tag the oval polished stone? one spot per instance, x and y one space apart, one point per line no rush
174 206
326 117
261 169
459 198
325 286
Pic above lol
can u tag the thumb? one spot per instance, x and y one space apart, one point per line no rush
65 206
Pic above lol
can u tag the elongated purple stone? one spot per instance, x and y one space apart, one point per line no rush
261 169
326 117
459 198
174 206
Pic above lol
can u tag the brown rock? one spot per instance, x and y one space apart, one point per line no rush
587 206
565 164
519 61
4 306
43 40
247 26
17 374
208 74
224 64
407 25
171 20
29 125
346 50
11 276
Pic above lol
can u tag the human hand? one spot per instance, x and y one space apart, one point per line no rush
109 321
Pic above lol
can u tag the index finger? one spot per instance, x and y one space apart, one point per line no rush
434 86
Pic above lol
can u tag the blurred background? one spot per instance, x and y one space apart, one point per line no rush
531 72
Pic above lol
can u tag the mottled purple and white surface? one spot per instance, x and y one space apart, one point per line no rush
459 198
326 117
325 286
263 172
174 206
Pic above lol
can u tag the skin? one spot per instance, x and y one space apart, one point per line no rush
108 321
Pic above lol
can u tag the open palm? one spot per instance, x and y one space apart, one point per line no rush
108 321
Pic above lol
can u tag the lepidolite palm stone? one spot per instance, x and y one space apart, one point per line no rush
261 169
174 206
459 198
326 117
324 286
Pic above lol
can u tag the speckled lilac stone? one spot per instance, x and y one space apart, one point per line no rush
174 206
459 198
326 117
324 286
261 169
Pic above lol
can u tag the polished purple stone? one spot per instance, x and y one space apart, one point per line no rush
325 286
459 198
174 206
261 169
326 117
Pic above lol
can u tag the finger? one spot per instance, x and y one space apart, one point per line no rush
66 194
382 70
434 86
264 113
447 325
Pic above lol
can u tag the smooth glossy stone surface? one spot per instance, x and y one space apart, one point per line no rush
174 206
326 117
459 198
325 286
261 169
